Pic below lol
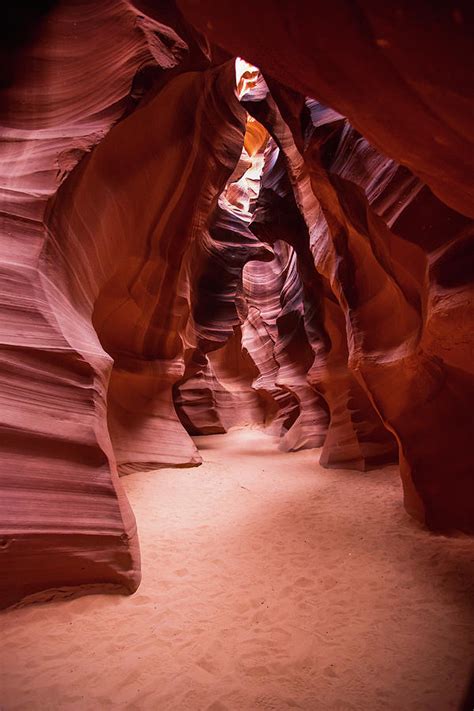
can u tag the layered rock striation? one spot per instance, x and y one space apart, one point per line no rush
380 238
98 261
189 245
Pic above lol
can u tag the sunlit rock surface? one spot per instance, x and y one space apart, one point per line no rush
400 71
96 282
398 261
186 248
383 282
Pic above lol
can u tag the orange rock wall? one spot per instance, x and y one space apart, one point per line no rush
402 276
171 266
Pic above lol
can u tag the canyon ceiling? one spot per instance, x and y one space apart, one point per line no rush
190 244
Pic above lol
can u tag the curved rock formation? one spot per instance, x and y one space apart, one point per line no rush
187 247
407 97
400 72
105 274
219 305
385 287
356 437
65 521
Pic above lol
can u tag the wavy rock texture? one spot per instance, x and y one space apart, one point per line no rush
386 288
256 287
400 72
104 274
65 521
219 305
275 298
181 245
356 437
143 304
412 99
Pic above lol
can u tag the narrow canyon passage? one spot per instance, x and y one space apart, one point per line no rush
268 583
236 355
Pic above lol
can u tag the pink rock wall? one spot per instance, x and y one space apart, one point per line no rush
95 297
167 260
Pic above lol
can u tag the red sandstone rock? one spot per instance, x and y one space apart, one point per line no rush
245 282
377 277
400 72
162 266
409 98
97 272
356 437
65 521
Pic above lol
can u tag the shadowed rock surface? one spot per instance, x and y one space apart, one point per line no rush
189 245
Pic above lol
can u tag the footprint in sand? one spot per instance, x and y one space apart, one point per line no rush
330 671
207 665
217 706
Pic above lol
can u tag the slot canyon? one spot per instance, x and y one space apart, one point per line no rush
237 360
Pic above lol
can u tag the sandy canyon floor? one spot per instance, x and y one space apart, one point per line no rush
268 583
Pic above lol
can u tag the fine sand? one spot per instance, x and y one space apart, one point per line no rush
268 583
